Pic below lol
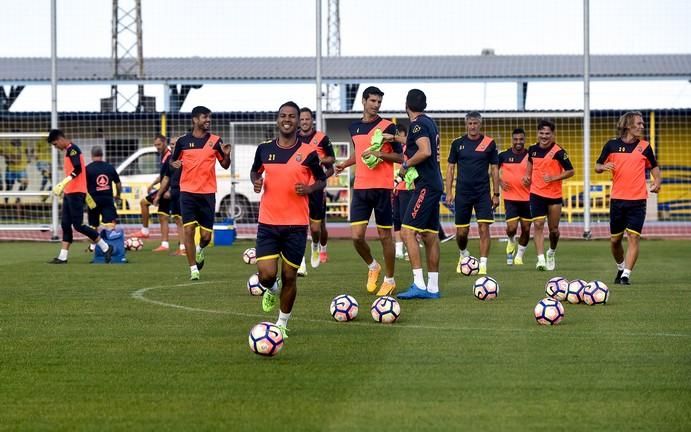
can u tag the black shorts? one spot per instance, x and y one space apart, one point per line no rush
163 203
175 203
626 215
366 200
465 203
317 205
198 208
104 211
400 204
517 210
73 216
539 205
285 241
422 214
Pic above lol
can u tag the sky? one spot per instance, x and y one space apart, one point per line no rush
243 28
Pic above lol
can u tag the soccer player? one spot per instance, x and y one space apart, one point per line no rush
422 215
196 152
288 171
161 144
100 178
317 201
512 166
476 157
401 197
548 164
74 187
373 158
170 183
627 158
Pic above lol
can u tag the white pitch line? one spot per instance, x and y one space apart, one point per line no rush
139 295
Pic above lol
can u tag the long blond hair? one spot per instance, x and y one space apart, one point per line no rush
626 121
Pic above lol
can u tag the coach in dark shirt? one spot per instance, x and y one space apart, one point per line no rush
100 178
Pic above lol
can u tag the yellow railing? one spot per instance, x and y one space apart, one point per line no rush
573 197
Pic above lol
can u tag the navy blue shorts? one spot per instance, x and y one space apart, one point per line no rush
104 211
365 201
626 215
163 203
422 214
465 203
517 210
198 208
317 205
175 203
539 205
400 204
285 241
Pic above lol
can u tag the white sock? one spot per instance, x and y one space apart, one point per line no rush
419 279
465 253
389 280
273 289
193 268
322 248
550 252
541 257
521 251
483 260
283 319
145 230
63 254
102 244
373 265
92 246
433 282
626 273
399 248
512 239
165 244
620 266
182 246
315 247
302 264
197 248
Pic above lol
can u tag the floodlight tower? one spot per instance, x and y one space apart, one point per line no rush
127 55
333 49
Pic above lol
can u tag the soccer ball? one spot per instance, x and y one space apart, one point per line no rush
596 292
470 266
249 256
386 310
574 294
134 244
344 308
253 285
266 339
548 311
556 288
486 288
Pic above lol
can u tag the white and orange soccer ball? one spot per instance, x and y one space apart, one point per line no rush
344 308
134 244
470 266
253 286
556 288
595 293
548 311
486 288
249 256
266 339
386 310
574 293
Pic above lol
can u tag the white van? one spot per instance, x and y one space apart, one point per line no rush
141 168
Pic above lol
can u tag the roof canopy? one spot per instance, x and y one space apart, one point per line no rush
205 70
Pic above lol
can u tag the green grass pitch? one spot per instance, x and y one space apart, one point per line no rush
139 347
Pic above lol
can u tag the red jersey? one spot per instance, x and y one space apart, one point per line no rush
198 156
630 164
74 166
361 134
513 167
283 168
550 161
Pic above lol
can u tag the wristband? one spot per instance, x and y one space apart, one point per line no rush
405 164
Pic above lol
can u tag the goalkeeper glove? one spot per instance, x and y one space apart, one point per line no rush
90 202
58 188
410 175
